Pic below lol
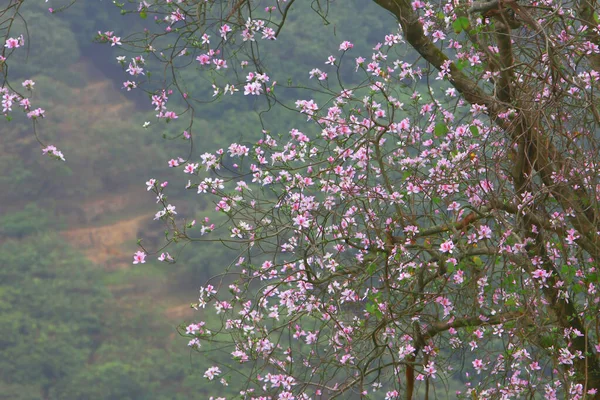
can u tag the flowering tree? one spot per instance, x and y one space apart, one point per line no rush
433 223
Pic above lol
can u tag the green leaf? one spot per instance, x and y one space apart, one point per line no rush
440 129
547 341
143 14
461 24
371 269
474 131
370 307
461 64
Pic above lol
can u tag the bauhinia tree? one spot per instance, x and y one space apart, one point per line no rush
435 221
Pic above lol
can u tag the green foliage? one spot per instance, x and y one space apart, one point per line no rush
52 47
30 220
51 311
440 129
199 266
461 24
63 336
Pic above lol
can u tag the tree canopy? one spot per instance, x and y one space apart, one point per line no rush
415 218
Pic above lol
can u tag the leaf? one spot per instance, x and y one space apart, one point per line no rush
371 269
374 310
474 131
461 24
371 308
440 129
461 64
143 14
547 341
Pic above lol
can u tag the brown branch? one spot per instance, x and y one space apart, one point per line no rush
434 230
484 7
457 323
504 41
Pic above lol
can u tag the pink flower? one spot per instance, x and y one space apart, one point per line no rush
211 373
268 33
192 329
52 151
478 365
346 45
150 184
447 247
541 274
139 257
404 125
28 84
37 113
48 149
129 85
572 236
165 256
535 366
459 277
203 59
115 40
224 30
438 35
190 168
13 43
430 369
302 221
